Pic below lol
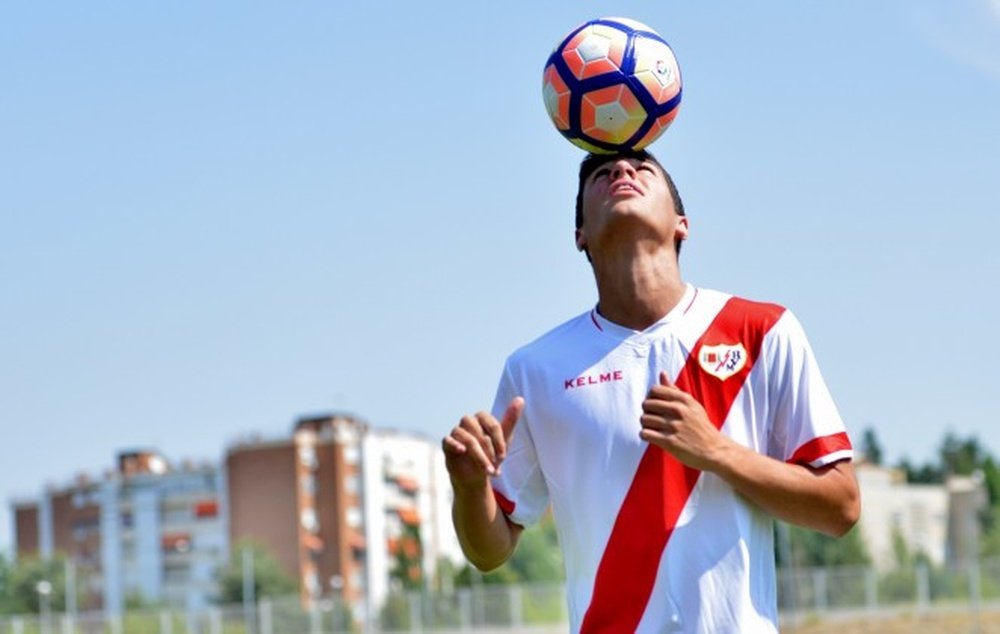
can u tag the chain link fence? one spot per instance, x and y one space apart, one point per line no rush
836 595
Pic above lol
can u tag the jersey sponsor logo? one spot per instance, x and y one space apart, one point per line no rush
724 360
593 379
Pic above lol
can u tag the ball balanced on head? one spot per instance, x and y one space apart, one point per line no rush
612 84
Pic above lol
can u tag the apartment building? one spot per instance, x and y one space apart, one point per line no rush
347 510
338 502
146 532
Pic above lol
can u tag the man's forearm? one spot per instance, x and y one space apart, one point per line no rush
487 537
824 499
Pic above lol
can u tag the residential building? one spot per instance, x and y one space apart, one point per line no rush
338 504
939 520
144 532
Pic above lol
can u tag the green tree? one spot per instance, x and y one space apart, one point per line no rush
537 558
269 579
23 581
407 567
5 573
812 549
871 447
961 456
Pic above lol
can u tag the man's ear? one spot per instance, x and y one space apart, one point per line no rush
581 241
682 228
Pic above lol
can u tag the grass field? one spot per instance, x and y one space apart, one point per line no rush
986 622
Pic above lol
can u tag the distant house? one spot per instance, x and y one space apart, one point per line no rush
939 520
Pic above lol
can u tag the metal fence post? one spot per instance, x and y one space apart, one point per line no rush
166 624
516 598
215 621
413 601
17 625
819 589
465 609
871 589
923 587
315 618
266 616
975 594
249 591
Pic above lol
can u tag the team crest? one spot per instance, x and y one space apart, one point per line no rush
722 361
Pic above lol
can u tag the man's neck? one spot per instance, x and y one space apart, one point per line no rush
638 290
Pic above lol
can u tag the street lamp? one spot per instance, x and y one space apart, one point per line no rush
44 589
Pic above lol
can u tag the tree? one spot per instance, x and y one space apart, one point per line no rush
812 549
537 559
268 577
5 573
23 594
407 567
871 447
960 456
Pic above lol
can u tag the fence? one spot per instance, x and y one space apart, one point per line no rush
805 595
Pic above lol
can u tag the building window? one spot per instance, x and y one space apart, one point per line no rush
351 484
353 517
308 485
309 521
176 543
307 456
206 508
351 454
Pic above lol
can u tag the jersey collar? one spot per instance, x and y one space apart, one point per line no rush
679 310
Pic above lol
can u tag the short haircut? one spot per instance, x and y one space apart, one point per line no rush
590 164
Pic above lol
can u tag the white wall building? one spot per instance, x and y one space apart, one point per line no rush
405 484
939 520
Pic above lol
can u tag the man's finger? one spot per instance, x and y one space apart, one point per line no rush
665 379
511 416
474 448
450 445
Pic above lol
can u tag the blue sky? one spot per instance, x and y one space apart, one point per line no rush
215 218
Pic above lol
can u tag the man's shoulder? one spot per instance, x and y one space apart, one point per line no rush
556 340
745 307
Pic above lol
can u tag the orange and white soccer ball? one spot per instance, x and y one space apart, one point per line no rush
612 84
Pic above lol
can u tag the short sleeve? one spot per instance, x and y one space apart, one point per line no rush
806 427
520 488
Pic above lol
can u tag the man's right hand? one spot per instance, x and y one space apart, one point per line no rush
475 448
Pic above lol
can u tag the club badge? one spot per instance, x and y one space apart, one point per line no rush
722 361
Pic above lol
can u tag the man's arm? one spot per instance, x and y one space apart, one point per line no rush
825 499
473 453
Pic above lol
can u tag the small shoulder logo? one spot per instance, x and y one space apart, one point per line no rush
724 360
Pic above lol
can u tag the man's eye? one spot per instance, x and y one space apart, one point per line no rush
601 172
644 166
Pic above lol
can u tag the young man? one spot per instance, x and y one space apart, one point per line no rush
666 428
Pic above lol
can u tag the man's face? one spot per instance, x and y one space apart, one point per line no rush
628 191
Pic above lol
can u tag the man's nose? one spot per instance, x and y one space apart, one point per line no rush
622 168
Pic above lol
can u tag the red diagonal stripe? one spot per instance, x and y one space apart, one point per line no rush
662 485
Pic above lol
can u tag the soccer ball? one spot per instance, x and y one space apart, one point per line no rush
612 84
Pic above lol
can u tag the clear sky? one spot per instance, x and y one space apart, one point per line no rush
217 217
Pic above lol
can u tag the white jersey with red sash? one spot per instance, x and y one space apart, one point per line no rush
649 544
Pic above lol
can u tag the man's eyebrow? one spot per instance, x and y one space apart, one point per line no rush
597 169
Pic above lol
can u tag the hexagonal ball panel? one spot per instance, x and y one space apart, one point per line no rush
611 114
662 123
595 50
556 95
656 67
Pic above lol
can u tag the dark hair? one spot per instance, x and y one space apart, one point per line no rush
590 164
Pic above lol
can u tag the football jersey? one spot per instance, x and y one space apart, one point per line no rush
651 545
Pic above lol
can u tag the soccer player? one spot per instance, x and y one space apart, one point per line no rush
666 427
